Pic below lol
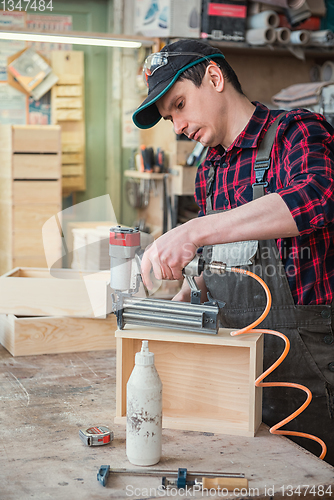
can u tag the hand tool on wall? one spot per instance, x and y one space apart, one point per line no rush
160 160
181 478
147 159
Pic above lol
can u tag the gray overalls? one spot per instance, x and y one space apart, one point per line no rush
309 328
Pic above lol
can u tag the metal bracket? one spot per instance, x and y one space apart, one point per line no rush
195 291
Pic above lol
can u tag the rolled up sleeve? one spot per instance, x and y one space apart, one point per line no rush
308 171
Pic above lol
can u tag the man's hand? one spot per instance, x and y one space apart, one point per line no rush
169 254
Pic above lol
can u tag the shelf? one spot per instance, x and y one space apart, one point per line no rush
144 175
274 49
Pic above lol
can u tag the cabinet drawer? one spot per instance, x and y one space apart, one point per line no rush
36 138
36 166
36 192
32 217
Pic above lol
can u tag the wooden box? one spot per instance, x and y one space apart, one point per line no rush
67 292
183 180
53 335
208 380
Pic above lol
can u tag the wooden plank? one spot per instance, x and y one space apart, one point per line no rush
36 166
68 102
70 170
70 158
69 79
227 365
71 147
36 138
73 133
64 293
73 183
54 335
40 192
68 114
135 174
68 62
68 91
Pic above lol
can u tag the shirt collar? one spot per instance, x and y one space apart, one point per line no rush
250 135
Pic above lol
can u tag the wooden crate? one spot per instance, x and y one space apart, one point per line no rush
208 380
67 292
30 190
53 335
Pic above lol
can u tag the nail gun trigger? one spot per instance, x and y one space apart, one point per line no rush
214 302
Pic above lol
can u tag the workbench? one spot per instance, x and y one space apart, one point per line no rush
46 399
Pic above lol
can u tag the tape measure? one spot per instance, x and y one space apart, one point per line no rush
96 436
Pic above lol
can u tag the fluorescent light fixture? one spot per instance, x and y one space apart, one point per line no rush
72 39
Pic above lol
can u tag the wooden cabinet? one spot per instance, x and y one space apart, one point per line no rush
30 193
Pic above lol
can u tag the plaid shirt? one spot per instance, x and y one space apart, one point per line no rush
302 172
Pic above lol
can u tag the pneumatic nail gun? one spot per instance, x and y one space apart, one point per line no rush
125 279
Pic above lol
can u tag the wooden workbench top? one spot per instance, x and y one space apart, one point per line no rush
45 400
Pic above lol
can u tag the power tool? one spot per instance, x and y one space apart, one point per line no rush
125 280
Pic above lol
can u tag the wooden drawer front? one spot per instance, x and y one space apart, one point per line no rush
30 244
32 217
36 192
36 166
36 138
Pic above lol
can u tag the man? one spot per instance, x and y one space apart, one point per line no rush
191 84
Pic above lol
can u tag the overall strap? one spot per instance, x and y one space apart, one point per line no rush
263 158
209 188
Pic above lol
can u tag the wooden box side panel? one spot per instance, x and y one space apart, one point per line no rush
200 382
54 297
37 166
7 332
37 192
54 335
36 139
5 198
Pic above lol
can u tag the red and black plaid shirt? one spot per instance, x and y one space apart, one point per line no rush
302 172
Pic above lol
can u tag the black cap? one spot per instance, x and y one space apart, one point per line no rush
186 53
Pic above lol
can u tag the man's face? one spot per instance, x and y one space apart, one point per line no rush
194 111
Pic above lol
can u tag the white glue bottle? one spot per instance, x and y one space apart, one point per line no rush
144 410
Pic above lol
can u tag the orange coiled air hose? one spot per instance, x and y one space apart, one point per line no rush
258 382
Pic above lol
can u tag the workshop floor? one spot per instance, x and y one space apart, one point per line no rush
45 400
